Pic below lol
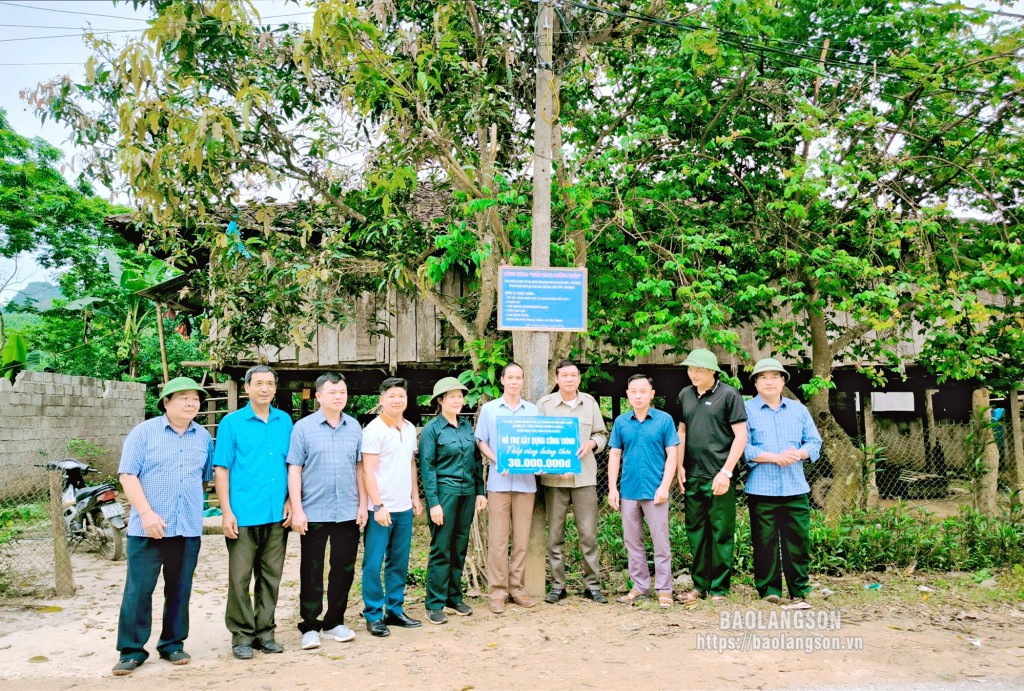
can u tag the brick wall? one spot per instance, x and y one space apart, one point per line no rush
41 411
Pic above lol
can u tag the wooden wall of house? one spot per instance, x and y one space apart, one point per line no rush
385 330
392 329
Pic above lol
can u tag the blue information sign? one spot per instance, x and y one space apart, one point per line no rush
533 299
538 444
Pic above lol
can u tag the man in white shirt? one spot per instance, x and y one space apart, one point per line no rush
389 473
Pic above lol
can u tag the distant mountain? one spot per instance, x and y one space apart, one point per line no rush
39 294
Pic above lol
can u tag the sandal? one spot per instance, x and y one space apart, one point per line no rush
687 598
632 596
665 600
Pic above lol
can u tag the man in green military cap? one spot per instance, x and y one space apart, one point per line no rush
165 464
713 434
782 437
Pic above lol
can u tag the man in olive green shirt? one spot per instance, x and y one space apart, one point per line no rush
580 490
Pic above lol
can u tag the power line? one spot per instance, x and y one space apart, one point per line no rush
85 14
78 35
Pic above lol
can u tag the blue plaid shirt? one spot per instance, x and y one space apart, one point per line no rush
328 457
773 431
172 469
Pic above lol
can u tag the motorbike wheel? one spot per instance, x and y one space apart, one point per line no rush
109 539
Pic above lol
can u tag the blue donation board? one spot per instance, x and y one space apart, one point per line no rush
533 299
538 444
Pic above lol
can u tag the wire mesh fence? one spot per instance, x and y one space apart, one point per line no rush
30 561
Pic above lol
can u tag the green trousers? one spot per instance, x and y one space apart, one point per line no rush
448 544
710 529
780 533
256 559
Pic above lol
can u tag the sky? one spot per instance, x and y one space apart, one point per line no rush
41 39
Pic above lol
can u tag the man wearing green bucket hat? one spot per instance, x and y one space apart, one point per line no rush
165 464
713 432
782 437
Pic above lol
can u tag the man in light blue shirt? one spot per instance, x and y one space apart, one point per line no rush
509 498
252 486
782 436
165 464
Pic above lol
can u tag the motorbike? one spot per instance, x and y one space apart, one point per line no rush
91 512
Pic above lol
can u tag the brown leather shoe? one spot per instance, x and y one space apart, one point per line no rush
498 606
524 601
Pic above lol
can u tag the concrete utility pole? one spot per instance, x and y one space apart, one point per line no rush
537 343
536 364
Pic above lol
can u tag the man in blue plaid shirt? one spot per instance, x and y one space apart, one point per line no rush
165 465
782 436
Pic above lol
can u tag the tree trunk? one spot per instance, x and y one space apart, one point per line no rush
871 490
836 445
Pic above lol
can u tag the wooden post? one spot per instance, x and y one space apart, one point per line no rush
930 439
163 345
871 491
232 394
1017 467
63 575
988 483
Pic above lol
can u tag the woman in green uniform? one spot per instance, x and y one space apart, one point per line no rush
453 484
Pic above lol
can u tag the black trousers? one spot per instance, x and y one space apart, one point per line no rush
344 540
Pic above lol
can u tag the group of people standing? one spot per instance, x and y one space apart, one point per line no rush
716 430
333 482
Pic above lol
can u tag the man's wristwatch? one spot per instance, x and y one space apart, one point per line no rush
728 473
376 507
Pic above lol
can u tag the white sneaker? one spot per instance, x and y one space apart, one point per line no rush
341 633
310 640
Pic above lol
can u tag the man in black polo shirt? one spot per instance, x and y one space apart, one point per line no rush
713 433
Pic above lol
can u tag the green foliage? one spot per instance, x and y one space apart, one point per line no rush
482 381
85 451
716 173
42 212
14 520
860 541
121 304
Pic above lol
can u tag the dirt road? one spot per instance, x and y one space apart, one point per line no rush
886 638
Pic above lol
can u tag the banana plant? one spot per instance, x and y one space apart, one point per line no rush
124 305
13 356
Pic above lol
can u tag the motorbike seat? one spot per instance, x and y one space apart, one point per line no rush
86 492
